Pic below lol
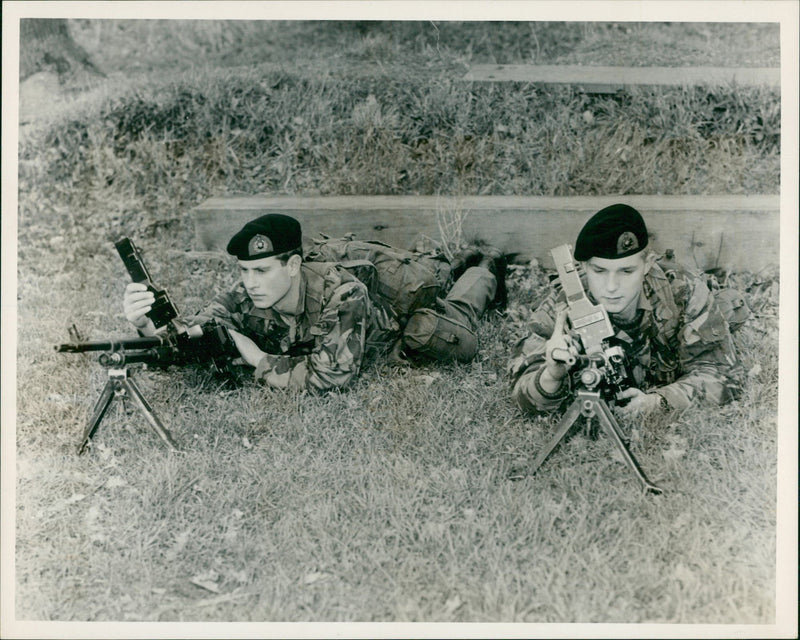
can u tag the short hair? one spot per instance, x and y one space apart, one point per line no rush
284 257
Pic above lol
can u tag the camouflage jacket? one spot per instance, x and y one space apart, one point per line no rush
323 345
680 347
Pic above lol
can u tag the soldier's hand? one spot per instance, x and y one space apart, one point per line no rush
559 350
251 354
641 403
137 302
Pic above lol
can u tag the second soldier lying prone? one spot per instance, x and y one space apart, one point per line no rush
310 324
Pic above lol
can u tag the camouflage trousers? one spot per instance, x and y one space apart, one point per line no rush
448 331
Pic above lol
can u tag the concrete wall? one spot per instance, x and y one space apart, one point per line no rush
739 232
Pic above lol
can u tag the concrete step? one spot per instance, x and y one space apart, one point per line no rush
735 232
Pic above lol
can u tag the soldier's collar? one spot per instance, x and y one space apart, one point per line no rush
301 299
260 313
300 307
644 302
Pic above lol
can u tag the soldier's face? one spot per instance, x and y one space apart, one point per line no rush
617 284
266 280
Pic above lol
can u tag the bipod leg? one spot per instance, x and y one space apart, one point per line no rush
147 410
100 408
612 428
567 420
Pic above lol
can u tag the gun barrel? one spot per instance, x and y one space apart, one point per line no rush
147 342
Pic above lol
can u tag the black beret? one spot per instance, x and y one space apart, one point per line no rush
266 236
617 231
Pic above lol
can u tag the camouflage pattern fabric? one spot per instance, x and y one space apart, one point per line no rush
321 347
679 345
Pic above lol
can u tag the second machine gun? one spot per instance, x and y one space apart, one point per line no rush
174 344
602 370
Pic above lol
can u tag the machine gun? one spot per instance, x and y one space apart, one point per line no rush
174 344
601 372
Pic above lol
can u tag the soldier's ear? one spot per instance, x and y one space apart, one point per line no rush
294 263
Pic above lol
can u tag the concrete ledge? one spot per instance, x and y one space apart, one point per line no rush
610 79
739 232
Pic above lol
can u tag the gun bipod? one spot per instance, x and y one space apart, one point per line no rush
121 384
589 404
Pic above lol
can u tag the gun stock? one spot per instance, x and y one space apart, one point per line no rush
592 325
590 321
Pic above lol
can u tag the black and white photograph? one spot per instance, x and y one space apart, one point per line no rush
399 319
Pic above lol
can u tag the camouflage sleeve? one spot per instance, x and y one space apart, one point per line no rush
338 351
224 309
710 369
528 359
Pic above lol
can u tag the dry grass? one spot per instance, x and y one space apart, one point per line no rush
387 501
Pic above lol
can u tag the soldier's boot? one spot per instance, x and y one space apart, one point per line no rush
467 257
487 257
496 261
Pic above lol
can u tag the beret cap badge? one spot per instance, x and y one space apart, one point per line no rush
259 244
627 242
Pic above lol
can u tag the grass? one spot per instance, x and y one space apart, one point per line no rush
387 501
145 45
137 162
